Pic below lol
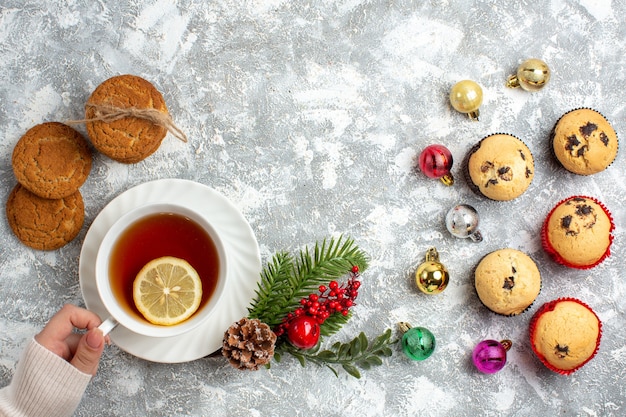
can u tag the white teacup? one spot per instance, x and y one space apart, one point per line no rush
121 313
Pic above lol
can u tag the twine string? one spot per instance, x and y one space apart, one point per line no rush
108 114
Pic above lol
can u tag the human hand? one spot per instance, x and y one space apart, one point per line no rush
83 351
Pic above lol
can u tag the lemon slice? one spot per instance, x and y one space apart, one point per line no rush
167 291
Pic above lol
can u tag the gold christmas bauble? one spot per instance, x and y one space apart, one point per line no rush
466 97
431 276
532 75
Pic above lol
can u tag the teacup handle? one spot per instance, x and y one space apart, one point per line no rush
108 325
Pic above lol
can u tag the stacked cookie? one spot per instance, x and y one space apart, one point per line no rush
126 119
51 161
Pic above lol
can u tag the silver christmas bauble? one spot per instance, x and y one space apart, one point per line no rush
462 222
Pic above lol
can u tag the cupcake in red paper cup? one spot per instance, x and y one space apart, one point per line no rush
578 232
565 334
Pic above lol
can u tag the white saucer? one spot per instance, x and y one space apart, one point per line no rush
243 274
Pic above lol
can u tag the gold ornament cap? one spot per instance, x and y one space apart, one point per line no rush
506 344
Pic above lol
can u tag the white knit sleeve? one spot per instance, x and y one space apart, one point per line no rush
44 384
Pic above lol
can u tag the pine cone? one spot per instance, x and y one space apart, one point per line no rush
249 344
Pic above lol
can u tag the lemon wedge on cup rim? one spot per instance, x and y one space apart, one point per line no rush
167 291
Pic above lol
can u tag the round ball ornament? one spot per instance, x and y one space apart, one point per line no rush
418 343
466 97
431 276
435 161
489 356
303 332
532 75
462 222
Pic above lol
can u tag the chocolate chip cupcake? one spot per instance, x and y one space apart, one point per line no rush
584 142
578 232
499 167
565 334
507 281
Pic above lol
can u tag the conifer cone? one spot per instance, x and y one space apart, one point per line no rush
249 344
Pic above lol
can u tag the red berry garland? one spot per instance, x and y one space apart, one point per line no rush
302 325
287 302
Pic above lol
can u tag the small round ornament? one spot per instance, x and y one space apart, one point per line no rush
462 222
431 275
489 356
418 343
532 75
435 161
303 332
466 97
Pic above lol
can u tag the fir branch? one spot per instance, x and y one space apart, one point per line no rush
286 280
273 278
357 354
330 261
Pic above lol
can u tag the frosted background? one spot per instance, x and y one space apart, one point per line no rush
308 116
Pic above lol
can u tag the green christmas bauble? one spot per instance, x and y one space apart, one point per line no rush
418 343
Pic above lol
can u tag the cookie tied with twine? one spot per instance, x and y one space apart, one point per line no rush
126 119
110 114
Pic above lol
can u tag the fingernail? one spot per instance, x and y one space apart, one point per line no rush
95 339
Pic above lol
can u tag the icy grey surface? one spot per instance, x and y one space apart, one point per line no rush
308 116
